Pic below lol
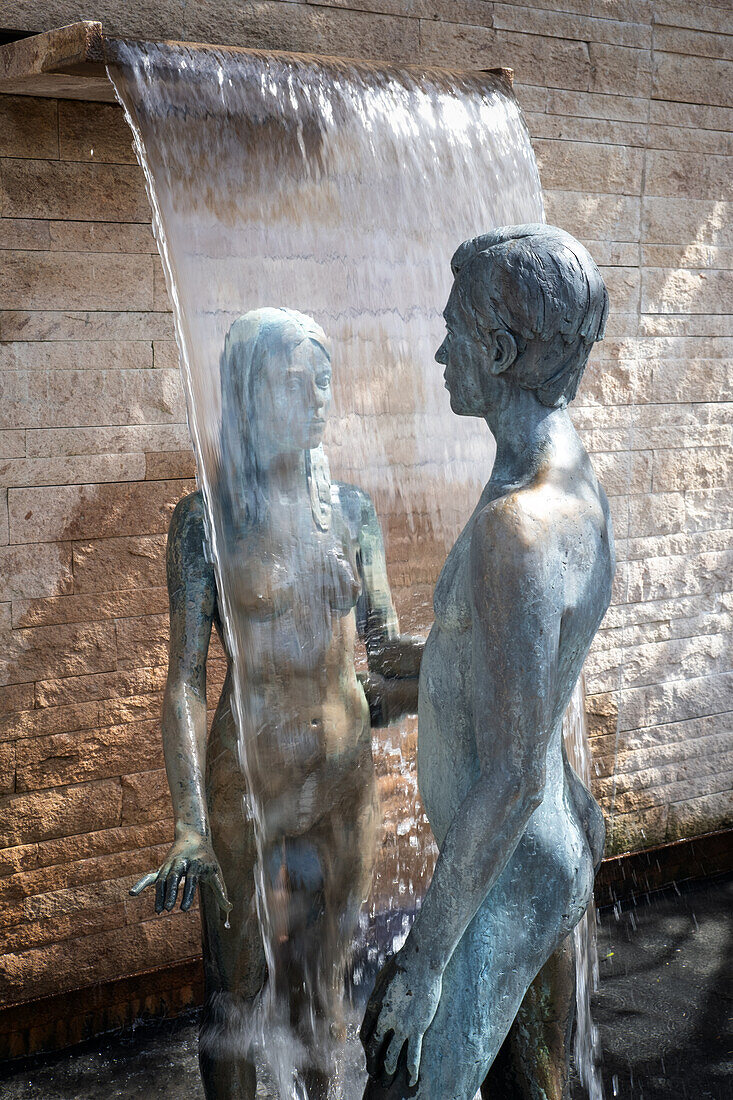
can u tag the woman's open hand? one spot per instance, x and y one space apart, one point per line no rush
400 1010
192 858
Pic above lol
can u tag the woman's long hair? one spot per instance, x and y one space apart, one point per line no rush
251 343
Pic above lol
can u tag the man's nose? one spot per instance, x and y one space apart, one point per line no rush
441 355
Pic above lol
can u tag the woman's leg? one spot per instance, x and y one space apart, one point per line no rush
328 871
234 958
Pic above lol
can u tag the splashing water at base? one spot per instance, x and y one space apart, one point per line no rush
339 190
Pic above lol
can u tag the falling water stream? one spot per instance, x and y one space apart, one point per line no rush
339 190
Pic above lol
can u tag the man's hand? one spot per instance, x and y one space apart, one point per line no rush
400 1010
192 858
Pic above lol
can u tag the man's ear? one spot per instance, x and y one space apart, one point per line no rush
504 351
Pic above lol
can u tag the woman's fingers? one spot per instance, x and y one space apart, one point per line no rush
414 1053
189 890
144 882
392 1054
173 882
217 884
160 888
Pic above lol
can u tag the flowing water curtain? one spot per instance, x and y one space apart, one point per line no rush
339 190
586 1044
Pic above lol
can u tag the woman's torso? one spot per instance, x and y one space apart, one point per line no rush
305 718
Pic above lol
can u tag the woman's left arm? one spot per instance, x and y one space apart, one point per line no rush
515 637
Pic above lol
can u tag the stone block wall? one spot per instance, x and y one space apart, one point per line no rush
629 106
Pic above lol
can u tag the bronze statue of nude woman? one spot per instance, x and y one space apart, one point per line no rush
517 605
308 577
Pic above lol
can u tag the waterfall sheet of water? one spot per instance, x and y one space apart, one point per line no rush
586 1045
339 190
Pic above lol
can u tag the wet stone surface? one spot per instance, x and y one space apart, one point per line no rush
663 1009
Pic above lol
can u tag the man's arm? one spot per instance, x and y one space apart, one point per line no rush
516 624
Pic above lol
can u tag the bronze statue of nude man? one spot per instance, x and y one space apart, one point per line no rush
305 559
518 602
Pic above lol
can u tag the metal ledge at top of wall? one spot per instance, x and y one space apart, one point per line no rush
69 63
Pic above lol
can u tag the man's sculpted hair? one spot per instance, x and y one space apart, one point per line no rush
541 285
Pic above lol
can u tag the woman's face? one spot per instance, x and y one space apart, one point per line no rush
465 359
292 397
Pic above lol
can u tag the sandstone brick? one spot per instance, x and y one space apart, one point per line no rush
51 930
146 797
142 642
64 398
590 105
699 656
38 722
123 439
24 233
267 25
620 71
627 832
73 191
697 116
87 687
605 169
678 13
693 468
676 291
670 173
695 256
59 281
706 509
119 563
165 354
94 132
659 578
704 814
76 857
71 471
562 24
662 786
685 325
691 79
667 220
7 767
656 514
587 216
623 383
163 465
12 444
689 140
675 701
548 61
625 472
40 652
63 355
97 958
96 237
692 380
80 325
60 812
29 571
16 697
28 127
135 708
564 128
61 759
81 512
88 608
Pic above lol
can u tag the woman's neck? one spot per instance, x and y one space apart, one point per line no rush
283 476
